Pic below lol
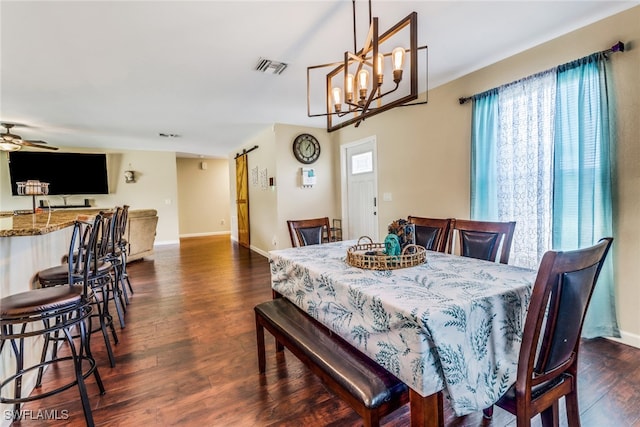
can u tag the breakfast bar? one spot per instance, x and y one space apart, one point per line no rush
30 243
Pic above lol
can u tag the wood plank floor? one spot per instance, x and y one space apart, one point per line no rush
188 357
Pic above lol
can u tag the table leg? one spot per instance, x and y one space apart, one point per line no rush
426 411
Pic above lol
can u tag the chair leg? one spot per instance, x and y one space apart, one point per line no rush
18 352
120 290
77 363
85 337
45 348
487 413
262 363
573 412
104 318
112 286
550 416
122 285
124 270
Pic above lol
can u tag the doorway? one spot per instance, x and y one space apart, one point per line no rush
360 189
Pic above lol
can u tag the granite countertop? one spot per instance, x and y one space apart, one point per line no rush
41 223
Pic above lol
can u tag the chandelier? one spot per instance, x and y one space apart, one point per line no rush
382 75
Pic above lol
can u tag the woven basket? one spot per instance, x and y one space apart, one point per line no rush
360 256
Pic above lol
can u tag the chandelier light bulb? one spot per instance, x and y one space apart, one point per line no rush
349 87
380 65
363 82
337 98
397 56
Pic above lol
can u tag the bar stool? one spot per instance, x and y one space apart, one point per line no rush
123 245
52 313
118 255
99 276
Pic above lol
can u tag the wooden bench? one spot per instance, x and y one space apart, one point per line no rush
371 390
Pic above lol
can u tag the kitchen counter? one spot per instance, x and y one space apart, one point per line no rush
40 223
43 223
30 243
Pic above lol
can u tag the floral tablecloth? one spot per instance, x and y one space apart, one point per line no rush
451 324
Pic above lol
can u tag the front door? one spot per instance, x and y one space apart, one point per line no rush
361 189
242 200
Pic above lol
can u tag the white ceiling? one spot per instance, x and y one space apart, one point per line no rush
117 73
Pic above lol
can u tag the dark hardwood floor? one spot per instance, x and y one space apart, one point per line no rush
188 357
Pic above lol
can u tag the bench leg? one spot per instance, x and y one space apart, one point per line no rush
260 343
370 418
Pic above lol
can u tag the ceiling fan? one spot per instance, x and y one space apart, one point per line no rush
12 142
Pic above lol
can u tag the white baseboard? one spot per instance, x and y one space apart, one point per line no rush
628 338
212 233
166 242
260 251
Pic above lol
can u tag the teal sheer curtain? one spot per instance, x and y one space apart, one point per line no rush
484 143
583 173
576 106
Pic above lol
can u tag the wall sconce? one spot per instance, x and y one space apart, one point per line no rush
129 176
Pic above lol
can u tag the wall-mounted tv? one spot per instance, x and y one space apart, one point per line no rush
66 173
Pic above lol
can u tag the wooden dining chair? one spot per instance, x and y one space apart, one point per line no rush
548 360
481 239
431 233
304 232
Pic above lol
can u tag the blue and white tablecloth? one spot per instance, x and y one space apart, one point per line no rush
451 324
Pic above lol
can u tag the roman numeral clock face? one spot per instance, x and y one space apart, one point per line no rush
306 148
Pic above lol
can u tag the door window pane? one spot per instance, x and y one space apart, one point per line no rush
362 163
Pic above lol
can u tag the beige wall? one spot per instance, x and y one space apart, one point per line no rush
155 188
423 151
203 196
294 201
270 208
262 202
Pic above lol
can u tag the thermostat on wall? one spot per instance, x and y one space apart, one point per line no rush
308 177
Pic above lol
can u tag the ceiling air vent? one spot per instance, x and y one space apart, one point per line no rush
269 66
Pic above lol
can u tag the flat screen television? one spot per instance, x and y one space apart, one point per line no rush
66 173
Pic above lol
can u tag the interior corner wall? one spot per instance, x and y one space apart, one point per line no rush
424 151
271 207
203 196
261 164
294 200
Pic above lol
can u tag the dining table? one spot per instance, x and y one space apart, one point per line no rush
449 328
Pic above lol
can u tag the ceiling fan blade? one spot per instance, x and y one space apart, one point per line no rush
37 144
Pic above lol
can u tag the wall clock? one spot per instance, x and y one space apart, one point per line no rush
306 148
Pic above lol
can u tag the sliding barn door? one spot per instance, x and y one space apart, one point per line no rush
242 200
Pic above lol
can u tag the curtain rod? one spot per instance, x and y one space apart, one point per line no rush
245 151
618 47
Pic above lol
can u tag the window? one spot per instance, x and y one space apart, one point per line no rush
362 163
541 156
